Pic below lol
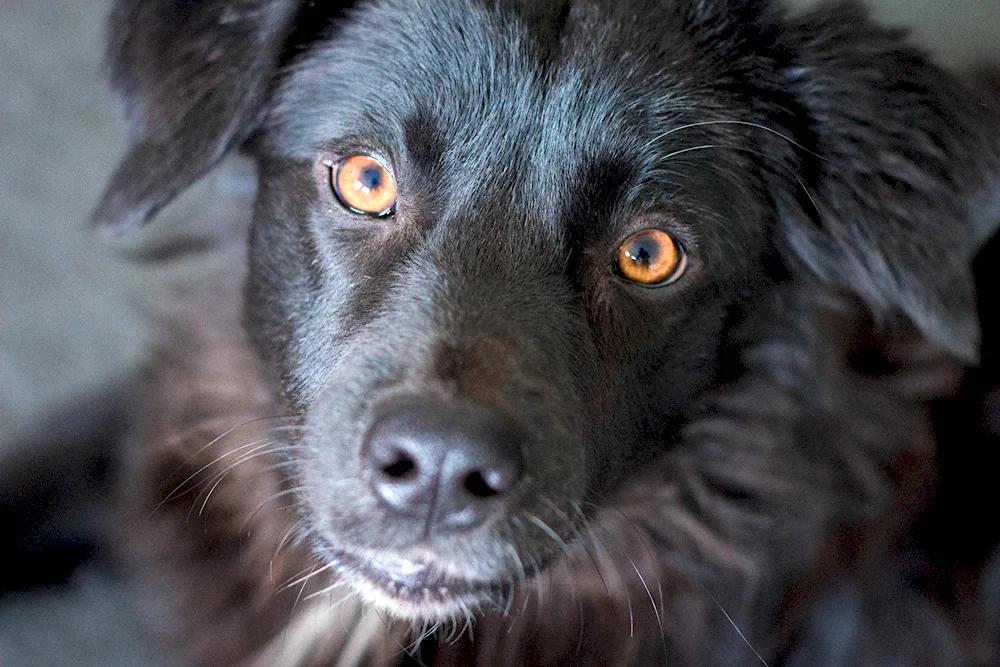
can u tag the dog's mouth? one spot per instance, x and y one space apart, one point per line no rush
416 587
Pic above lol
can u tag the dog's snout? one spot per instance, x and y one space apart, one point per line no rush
450 465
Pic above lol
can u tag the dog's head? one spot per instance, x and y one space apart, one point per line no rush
498 245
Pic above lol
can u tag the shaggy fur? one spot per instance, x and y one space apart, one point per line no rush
724 470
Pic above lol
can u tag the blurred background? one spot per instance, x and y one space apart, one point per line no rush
75 312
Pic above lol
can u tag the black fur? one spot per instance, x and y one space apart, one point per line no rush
751 438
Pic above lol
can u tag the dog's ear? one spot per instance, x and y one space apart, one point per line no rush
898 182
192 75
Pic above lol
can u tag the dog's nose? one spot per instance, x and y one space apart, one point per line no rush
449 465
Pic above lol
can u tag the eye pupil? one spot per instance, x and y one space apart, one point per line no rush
640 255
370 178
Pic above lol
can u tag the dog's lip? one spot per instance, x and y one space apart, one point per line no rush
414 578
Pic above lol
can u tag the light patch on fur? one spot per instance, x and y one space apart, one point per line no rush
331 625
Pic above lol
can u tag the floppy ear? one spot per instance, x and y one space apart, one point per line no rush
193 76
901 182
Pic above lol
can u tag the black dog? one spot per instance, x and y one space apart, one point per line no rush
601 332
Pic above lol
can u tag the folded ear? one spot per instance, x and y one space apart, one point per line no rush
900 184
193 76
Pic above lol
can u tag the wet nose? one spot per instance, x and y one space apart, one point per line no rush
448 464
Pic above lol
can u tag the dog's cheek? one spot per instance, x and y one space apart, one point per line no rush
657 353
298 287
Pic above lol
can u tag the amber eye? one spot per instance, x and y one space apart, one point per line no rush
651 258
363 185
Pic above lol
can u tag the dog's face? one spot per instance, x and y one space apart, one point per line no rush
534 313
498 246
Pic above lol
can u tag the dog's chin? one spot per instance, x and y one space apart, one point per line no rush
414 587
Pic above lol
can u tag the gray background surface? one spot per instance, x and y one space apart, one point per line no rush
74 315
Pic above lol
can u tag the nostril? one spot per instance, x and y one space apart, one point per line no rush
401 469
477 486
400 478
492 481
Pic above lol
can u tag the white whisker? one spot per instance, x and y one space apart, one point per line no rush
737 122
735 627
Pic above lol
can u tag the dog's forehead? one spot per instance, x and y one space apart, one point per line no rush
494 85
